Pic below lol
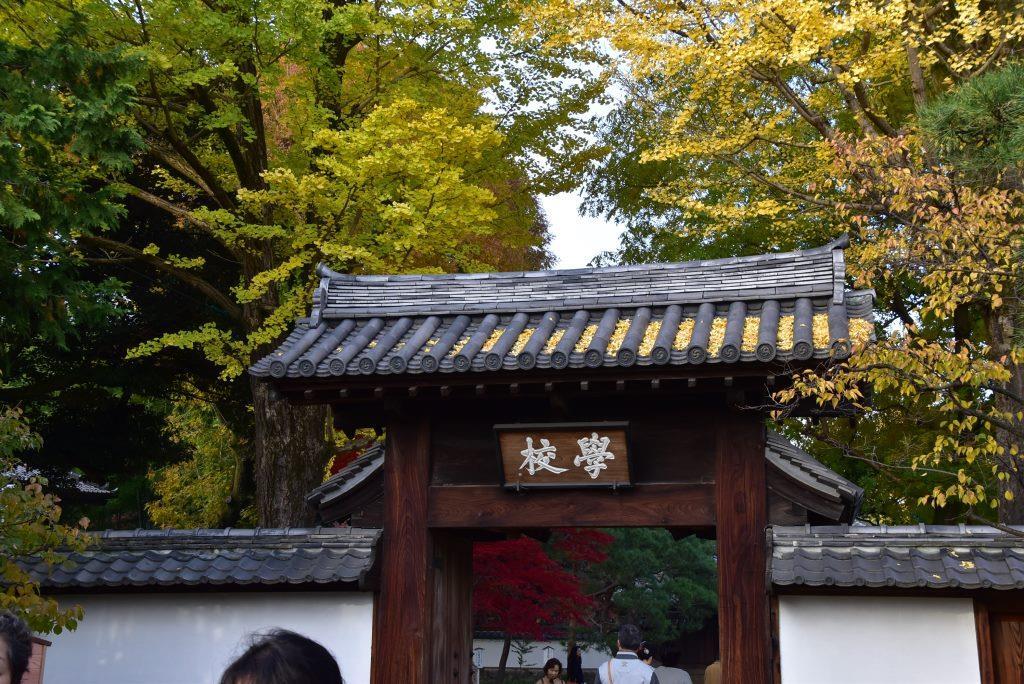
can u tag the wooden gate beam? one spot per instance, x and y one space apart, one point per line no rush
643 505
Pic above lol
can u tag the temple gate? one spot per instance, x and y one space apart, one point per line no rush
613 397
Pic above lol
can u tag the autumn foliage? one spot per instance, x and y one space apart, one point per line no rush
519 590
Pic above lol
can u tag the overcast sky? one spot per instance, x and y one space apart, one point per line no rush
576 239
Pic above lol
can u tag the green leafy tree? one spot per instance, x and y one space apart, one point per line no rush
61 133
29 526
241 103
978 128
200 491
667 587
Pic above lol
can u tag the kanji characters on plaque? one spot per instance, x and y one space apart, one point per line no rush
539 458
593 454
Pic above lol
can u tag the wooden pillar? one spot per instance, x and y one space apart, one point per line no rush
741 503
402 625
452 660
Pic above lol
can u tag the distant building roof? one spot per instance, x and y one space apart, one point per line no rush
792 472
922 556
139 558
789 306
69 484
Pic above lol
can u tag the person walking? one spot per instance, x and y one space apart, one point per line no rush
666 675
574 666
626 667
713 673
552 672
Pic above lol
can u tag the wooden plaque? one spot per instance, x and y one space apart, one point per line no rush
564 455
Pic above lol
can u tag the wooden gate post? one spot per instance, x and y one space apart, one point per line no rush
742 516
452 657
402 624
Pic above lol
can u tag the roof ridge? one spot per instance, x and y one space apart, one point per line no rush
225 533
839 244
917 531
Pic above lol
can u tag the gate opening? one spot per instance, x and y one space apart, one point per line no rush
562 594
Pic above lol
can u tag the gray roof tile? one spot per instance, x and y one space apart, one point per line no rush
212 557
356 320
927 556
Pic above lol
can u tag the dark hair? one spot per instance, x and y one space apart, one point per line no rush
646 651
283 657
18 640
629 637
551 663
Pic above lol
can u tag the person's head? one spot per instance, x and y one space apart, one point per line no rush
283 657
15 648
645 652
553 668
629 638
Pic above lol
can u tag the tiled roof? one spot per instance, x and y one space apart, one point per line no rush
789 306
356 473
831 494
782 457
930 556
138 558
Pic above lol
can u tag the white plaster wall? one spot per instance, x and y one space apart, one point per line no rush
488 652
185 638
877 640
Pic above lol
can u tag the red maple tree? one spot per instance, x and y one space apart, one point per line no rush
521 592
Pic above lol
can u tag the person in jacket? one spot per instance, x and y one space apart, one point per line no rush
626 667
574 666
713 673
666 675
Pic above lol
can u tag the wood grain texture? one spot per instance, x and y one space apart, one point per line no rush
452 658
491 506
983 630
567 457
1007 632
742 516
405 604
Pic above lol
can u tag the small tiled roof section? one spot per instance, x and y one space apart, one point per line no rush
828 493
789 306
140 558
922 556
359 472
815 486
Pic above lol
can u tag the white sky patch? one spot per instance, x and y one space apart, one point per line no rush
575 239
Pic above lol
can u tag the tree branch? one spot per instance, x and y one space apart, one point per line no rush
184 171
999 526
187 277
169 207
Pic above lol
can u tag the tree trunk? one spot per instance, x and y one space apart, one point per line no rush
1012 512
505 648
1001 330
293 445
